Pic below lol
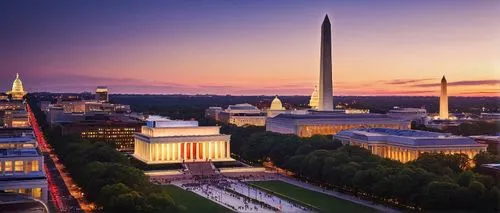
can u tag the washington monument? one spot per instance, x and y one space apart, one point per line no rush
443 100
325 73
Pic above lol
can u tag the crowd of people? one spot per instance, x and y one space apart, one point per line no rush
236 194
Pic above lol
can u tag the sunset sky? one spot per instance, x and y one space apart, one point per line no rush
251 47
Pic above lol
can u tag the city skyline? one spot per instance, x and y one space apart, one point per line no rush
387 48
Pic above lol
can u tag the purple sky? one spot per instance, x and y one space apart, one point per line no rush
250 47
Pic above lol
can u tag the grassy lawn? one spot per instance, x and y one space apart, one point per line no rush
323 202
193 203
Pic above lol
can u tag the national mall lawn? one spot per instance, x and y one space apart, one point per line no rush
317 200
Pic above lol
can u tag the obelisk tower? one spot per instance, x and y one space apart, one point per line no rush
443 100
325 73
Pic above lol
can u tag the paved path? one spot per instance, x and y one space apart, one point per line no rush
335 194
236 196
270 199
224 198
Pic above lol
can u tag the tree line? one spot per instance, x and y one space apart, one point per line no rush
106 175
430 183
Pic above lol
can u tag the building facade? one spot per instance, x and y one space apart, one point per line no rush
102 94
16 119
117 130
167 141
213 113
11 105
21 167
242 115
330 123
408 145
412 114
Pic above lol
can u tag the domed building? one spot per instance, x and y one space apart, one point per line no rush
314 101
17 93
276 108
276 104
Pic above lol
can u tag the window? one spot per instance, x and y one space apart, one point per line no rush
8 166
34 166
36 193
18 166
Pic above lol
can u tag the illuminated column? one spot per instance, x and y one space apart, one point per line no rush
173 152
170 147
149 153
221 149
191 147
157 152
216 149
185 150
209 150
197 155
204 145
178 151
162 151
228 151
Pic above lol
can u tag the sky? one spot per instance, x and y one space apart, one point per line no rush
250 47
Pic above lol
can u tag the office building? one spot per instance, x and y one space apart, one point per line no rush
16 119
118 130
102 94
21 168
213 113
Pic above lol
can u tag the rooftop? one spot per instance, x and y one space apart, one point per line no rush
333 115
244 106
22 152
407 137
160 121
16 139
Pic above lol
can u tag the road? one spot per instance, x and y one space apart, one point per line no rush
64 193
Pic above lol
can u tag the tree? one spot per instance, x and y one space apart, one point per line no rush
439 195
465 178
485 158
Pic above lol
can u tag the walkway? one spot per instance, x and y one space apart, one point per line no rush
239 196
338 195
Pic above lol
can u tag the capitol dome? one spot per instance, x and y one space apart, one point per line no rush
276 104
314 101
17 91
17 85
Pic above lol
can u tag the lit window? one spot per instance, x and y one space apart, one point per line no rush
37 192
18 166
8 166
34 166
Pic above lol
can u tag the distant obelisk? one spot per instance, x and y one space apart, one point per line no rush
325 73
443 100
